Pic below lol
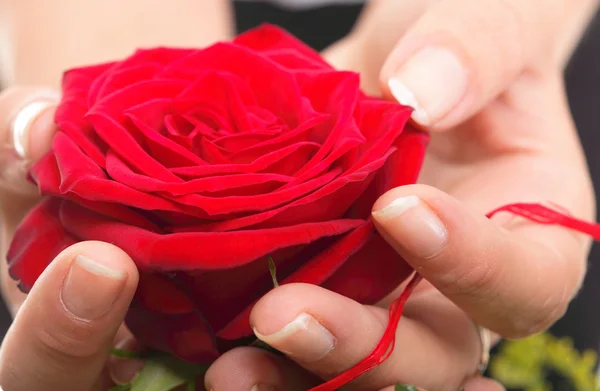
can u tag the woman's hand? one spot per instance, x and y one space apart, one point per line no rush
486 78
63 331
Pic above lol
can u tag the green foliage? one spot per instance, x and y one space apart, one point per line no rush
404 387
125 354
161 372
525 364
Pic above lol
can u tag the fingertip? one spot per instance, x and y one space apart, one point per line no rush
31 120
282 305
482 384
26 131
41 134
242 369
107 254
124 370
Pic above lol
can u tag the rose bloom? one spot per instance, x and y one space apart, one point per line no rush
202 164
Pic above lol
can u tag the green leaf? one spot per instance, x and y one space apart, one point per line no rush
121 387
165 373
126 354
273 271
405 387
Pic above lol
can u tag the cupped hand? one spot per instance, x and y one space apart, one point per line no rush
65 327
486 78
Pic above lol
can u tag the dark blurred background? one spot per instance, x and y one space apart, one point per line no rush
323 26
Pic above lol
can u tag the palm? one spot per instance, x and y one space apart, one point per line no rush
520 148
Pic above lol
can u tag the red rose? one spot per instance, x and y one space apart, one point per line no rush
201 164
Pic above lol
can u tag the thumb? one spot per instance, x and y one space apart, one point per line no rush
61 337
462 53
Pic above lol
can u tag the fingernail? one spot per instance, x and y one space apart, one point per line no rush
412 224
432 82
262 387
304 339
26 116
91 288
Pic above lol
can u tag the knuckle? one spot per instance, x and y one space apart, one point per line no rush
67 343
472 281
500 35
539 318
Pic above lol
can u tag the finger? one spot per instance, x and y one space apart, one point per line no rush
485 269
438 347
61 337
26 130
482 384
473 384
462 53
256 370
124 370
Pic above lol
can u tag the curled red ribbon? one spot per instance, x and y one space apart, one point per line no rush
535 212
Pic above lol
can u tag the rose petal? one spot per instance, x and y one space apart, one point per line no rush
278 93
194 250
329 202
122 141
402 168
316 271
302 133
39 238
120 172
272 39
371 273
183 335
222 206
163 149
69 171
226 93
286 161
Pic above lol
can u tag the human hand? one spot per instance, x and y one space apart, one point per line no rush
64 329
501 133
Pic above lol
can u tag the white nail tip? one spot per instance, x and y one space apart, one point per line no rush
22 123
405 97
397 207
301 322
99 269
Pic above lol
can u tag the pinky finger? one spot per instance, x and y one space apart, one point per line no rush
255 369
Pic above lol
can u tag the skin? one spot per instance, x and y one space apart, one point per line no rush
512 118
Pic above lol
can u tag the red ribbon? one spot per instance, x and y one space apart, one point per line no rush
535 212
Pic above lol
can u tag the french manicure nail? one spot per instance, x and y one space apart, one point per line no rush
304 339
432 82
24 118
262 387
91 288
413 226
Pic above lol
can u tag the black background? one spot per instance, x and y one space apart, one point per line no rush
323 26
